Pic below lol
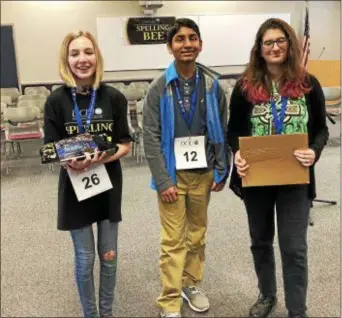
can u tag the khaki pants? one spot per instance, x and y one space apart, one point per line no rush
183 229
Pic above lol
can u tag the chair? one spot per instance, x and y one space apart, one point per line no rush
32 97
139 112
39 103
6 100
2 124
35 90
29 91
133 96
332 99
141 85
227 83
54 87
13 92
131 85
32 103
44 91
332 93
3 109
223 82
229 91
118 85
21 125
231 82
228 94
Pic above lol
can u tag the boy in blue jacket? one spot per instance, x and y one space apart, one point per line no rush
185 120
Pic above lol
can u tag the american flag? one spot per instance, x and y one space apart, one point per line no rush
306 40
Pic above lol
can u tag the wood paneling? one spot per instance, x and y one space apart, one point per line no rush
328 72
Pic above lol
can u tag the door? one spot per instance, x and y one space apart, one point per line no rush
9 70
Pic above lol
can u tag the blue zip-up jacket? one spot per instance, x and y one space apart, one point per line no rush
167 129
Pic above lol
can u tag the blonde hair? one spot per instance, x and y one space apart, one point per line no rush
64 69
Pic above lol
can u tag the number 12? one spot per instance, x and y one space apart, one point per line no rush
193 154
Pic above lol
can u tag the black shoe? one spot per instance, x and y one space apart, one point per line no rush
291 315
263 307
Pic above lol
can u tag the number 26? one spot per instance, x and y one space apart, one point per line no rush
89 182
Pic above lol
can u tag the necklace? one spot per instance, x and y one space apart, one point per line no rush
83 90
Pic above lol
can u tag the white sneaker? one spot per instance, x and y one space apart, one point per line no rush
165 314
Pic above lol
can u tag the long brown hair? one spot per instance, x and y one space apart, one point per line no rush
293 83
64 69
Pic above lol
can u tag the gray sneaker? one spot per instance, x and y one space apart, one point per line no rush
196 299
165 314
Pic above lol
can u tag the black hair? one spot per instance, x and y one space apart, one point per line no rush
182 22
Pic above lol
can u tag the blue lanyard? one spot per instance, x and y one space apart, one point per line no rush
90 111
188 116
279 120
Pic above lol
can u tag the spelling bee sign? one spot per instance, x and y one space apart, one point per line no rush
148 30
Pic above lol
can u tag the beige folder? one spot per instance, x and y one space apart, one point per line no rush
271 160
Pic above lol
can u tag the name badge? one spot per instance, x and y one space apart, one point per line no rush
91 182
190 153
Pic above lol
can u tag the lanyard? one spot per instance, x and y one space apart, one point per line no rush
188 115
279 120
90 111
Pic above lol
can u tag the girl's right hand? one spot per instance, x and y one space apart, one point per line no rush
241 164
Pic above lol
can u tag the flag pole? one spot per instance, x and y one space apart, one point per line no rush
306 39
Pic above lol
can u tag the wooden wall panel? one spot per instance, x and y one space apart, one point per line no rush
328 72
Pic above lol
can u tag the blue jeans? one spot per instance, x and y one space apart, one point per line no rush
83 240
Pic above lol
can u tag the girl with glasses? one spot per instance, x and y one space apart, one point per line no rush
275 79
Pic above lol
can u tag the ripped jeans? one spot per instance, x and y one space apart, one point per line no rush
84 245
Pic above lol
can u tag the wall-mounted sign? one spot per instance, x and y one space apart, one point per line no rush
148 30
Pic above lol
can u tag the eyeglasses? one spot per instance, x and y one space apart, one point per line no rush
268 44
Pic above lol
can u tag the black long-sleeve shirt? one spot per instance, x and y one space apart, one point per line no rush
239 125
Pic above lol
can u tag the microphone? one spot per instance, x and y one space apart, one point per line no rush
321 53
